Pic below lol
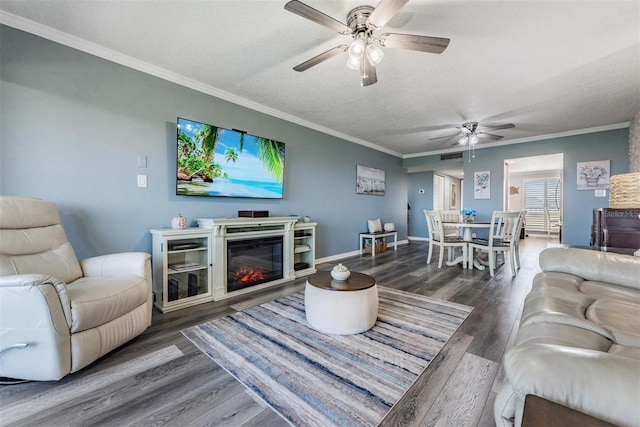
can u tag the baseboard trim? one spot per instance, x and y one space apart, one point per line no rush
349 254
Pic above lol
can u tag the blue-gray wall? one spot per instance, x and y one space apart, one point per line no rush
578 205
73 126
417 226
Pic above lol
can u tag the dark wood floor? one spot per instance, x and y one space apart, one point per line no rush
160 378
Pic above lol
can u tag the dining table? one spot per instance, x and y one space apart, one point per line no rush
467 236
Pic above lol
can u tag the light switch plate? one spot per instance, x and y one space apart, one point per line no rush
142 161
601 193
142 180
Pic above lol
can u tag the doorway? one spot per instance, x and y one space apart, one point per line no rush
535 183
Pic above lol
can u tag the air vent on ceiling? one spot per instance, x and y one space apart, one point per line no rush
451 156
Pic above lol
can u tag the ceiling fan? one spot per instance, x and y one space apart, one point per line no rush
364 51
471 132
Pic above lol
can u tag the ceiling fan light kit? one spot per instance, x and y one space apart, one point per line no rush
374 54
471 139
364 51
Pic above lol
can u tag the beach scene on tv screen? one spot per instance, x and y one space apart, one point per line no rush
214 161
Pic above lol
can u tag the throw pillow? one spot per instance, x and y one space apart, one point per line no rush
375 225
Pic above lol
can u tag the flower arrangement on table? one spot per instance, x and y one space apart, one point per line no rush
468 214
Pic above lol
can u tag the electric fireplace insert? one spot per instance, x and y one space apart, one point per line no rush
254 261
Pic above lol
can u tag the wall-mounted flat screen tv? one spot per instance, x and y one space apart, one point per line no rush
213 161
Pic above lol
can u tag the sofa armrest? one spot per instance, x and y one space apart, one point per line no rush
601 384
136 263
21 294
35 316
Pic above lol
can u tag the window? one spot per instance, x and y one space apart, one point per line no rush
542 200
438 193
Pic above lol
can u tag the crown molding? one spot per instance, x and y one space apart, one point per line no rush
77 43
528 139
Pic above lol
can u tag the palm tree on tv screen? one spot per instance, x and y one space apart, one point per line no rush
272 155
270 152
208 136
186 153
231 154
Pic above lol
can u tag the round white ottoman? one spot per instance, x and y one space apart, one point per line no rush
341 307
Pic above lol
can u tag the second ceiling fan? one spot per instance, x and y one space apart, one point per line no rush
471 132
364 51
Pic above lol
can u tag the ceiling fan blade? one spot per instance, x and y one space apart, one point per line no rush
498 127
414 42
489 136
316 16
367 73
443 137
320 58
384 12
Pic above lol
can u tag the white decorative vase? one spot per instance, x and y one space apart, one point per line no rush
340 272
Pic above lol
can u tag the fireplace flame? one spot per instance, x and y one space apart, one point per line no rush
245 275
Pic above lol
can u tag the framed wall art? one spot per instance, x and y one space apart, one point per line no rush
369 181
482 185
453 196
594 175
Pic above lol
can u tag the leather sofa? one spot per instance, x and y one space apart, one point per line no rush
58 314
578 343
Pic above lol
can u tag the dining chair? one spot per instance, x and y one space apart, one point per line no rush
553 226
515 257
437 237
451 215
503 231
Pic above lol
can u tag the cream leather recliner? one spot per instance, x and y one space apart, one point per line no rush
58 315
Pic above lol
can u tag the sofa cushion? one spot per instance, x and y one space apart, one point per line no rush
98 300
559 334
557 305
621 319
553 279
623 350
600 290
609 310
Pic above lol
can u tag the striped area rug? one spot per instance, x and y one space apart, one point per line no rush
314 379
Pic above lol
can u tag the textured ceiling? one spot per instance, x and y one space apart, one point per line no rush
549 67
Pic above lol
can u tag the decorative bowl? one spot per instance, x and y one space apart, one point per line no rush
340 272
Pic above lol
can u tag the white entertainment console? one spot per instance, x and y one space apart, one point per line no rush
190 266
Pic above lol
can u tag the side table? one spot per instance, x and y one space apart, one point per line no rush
341 307
374 236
